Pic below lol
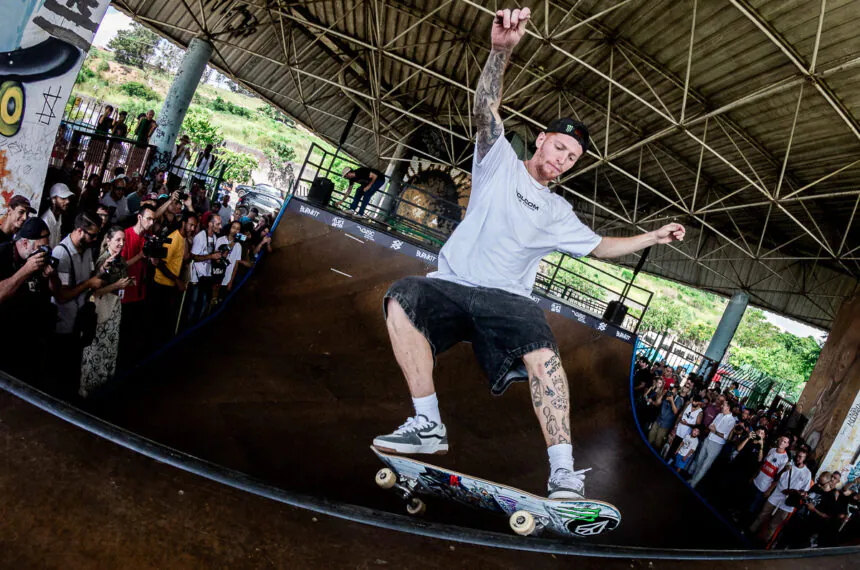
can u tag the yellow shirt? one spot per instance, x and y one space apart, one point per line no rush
173 261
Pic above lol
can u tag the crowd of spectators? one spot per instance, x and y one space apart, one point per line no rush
749 462
108 268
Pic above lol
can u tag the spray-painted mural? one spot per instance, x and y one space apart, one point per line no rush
42 47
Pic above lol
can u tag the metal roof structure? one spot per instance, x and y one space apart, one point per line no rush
738 118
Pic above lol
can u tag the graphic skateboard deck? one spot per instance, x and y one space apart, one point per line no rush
527 513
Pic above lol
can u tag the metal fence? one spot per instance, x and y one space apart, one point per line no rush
427 219
654 347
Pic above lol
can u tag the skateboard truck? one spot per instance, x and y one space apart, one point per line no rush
387 479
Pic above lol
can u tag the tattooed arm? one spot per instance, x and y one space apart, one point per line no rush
508 28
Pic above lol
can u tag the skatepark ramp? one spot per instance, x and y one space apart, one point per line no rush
281 393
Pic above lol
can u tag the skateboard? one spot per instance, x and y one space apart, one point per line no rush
527 514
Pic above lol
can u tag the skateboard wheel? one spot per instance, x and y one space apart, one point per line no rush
523 523
386 478
416 507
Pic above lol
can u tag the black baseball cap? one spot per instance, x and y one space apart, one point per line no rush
33 228
17 201
572 128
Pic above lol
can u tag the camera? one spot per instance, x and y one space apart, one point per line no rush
113 265
220 264
154 246
52 261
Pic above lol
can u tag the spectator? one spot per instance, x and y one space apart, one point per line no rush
720 429
17 212
668 376
103 213
168 283
369 180
226 212
27 282
817 522
669 409
99 358
198 196
233 240
711 409
736 390
146 125
179 163
686 450
690 417
76 273
204 163
91 195
53 218
135 323
203 251
793 480
653 401
105 122
120 127
736 485
116 201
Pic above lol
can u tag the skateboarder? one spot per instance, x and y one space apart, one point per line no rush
481 292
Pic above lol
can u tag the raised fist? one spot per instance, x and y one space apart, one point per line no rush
509 27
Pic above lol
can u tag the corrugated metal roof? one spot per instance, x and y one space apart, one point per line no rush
705 144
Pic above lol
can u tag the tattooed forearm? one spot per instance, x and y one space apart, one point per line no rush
488 98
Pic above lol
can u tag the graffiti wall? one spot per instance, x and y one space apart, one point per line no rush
43 44
831 394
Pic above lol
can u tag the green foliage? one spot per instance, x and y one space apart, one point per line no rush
103 66
137 106
239 166
134 45
280 153
276 115
85 74
223 106
139 90
199 128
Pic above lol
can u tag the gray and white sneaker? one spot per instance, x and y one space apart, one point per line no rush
418 435
567 484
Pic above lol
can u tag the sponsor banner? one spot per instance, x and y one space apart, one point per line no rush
430 259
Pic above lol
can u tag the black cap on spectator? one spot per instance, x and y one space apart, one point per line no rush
18 201
33 228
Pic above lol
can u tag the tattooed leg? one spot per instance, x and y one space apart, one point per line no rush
550 396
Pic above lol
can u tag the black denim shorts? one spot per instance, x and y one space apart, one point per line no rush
501 326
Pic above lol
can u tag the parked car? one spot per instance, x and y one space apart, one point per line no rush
265 203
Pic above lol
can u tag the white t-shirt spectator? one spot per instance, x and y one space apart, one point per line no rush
54 226
73 269
203 244
120 207
723 423
205 164
773 462
794 477
226 212
511 223
689 415
234 256
690 443
179 163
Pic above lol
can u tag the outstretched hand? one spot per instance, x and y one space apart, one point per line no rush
670 233
509 27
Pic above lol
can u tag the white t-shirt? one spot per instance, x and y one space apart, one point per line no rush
797 478
689 444
120 207
234 256
72 270
511 223
203 244
54 226
689 415
177 163
769 468
226 212
723 423
202 169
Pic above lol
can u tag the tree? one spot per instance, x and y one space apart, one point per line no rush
167 57
199 129
238 166
280 154
134 45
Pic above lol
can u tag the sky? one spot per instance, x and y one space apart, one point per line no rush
115 20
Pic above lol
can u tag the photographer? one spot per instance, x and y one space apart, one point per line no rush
203 251
817 522
75 270
785 495
99 358
27 280
669 408
168 284
232 244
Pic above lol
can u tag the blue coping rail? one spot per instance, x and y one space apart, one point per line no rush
355 513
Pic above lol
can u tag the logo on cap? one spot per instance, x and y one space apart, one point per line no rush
568 128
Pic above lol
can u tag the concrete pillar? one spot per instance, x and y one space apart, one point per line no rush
179 96
725 331
394 172
831 399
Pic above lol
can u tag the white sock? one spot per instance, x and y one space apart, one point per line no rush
428 406
560 456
